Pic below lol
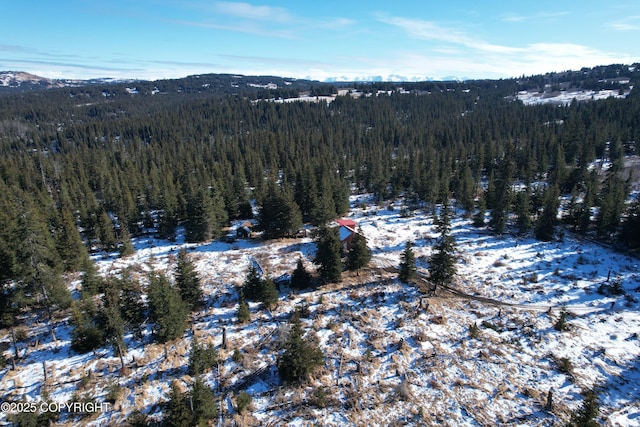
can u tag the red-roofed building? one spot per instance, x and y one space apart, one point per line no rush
346 231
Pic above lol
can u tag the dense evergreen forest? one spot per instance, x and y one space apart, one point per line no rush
88 168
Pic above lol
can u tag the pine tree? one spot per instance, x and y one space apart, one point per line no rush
244 314
126 244
111 321
200 222
612 205
305 193
68 241
86 335
279 215
178 411
205 407
583 220
256 288
328 254
442 267
586 415
187 280
243 401
545 226
501 197
522 211
269 294
38 267
92 282
167 222
323 211
631 227
168 311
300 357
201 358
132 309
106 232
300 278
252 287
478 218
467 187
408 269
359 253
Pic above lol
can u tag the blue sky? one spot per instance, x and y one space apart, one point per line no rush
315 39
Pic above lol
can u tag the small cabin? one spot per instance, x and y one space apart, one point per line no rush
244 230
348 229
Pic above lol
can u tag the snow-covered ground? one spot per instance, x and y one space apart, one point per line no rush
565 97
388 359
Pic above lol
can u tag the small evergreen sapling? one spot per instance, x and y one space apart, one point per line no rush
300 278
408 269
300 357
244 315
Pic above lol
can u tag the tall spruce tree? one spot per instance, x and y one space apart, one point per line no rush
359 254
86 334
91 282
252 287
200 224
522 210
178 408
167 309
106 232
126 247
279 214
69 242
187 280
545 226
205 408
501 197
328 254
442 263
612 205
111 321
38 265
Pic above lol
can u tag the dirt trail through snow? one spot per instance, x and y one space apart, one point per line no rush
427 287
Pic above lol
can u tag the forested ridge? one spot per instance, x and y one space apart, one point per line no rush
90 167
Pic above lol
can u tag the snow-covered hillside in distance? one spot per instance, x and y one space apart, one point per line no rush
566 97
17 78
388 358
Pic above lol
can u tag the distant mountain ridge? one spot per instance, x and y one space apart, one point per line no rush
611 77
21 81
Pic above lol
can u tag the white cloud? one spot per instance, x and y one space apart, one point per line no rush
428 30
629 23
240 27
537 17
249 11
481 57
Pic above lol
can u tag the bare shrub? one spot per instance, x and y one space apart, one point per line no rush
403 391
421 336
439 320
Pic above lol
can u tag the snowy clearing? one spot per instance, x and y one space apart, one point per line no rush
387 358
